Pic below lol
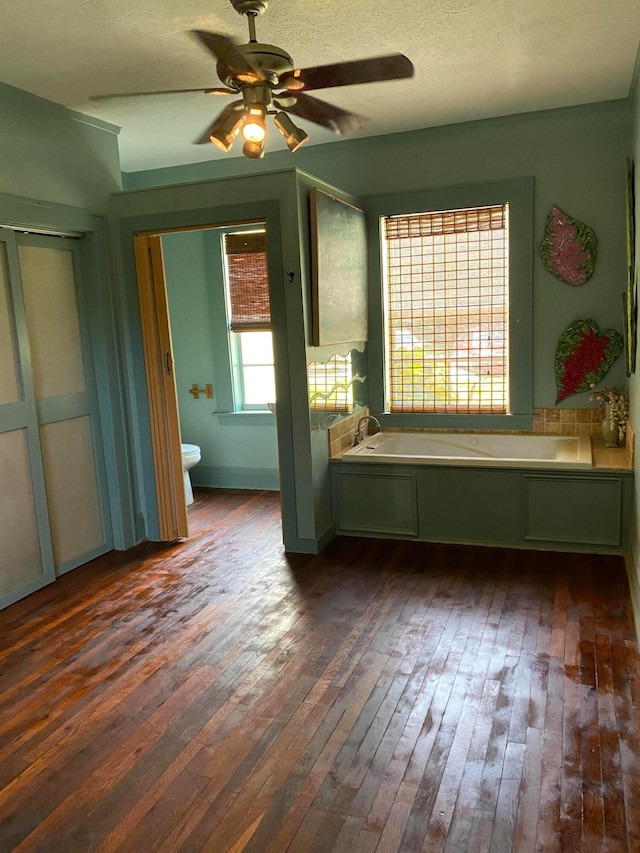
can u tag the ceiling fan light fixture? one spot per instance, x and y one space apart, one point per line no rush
254 150
224 131
256 70
293 136
255 127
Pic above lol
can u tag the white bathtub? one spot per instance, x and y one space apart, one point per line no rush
489 449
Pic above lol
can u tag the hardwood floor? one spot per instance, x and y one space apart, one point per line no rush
219 696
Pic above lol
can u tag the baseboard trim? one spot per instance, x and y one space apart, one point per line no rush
224 477
326 537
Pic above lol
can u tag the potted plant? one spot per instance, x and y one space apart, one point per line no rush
616 410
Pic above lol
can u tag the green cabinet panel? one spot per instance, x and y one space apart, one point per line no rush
376 503
513 507
467 505
580 510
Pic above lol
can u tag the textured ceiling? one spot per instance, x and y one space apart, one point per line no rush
473 59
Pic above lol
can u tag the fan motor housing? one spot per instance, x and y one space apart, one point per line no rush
269 59
250 7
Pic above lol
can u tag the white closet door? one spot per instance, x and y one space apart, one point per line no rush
26 560
66 400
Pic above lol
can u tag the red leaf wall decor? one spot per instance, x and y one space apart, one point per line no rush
568 249
583 356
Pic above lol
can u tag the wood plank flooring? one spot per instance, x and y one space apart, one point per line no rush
218 695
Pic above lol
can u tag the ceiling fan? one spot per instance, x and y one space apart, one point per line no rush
269 84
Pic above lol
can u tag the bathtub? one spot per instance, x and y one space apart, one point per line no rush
475 449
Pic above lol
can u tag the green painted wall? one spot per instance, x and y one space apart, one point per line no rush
233 454
53 154
575 155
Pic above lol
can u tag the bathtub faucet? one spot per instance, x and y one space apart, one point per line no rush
360 436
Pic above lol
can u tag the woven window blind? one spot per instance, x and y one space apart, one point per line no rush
331 385
447 311
248 282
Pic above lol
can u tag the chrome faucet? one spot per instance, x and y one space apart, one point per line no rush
360 435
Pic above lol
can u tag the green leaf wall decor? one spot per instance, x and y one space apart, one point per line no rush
568 249
583 355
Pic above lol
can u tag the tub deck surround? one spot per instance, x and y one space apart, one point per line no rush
483 449
547 422
611 458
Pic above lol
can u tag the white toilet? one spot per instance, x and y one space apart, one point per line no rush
190 457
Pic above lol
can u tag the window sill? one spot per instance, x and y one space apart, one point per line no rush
247 418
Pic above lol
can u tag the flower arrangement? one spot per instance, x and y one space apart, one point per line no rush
617 407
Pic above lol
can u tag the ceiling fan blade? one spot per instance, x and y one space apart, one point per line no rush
214 91
225 51
327 115
396 66
205 139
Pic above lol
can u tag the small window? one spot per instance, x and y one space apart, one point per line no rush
249 315
253 362
331 385
446 278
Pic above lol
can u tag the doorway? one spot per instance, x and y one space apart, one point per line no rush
205 376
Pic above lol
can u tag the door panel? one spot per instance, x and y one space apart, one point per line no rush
161 388
66 399
52 317
21 562
72 489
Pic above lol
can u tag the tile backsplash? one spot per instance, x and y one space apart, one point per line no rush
567 422
342 433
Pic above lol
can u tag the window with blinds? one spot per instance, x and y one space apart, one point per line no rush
249 319
447 310
247 281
